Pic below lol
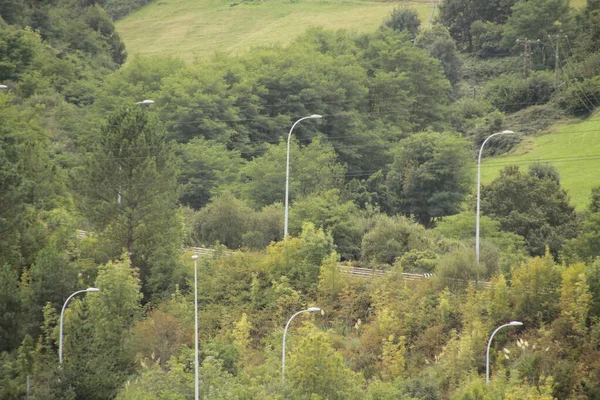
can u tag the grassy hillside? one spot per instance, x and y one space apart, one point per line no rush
573 149
199 28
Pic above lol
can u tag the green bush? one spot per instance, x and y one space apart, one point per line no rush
391 237
535 118
510 92
118 9
486 39
582 97
476 70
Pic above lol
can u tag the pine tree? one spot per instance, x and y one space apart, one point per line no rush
129 190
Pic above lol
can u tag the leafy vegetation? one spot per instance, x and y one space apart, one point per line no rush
101 190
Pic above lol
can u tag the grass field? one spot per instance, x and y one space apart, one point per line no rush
198 28
573 149
578 3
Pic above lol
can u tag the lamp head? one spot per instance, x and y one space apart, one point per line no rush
145 102
515 323
3 87
506 132
195 257
313 309
316 116
92 289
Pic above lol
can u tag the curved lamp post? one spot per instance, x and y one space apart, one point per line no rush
310 309
62 314
479 189
287 173
196 373
487 354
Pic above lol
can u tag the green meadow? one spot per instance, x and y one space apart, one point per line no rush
574 149
199 29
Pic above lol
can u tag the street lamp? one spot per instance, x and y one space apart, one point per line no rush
487 354
196 373
479 191
145 102
3 87
62 314
309 309
287 173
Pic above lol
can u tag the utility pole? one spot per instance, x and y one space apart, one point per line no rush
475 90
556 58
527 63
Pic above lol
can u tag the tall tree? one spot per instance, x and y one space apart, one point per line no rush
313 168
419 92
391 237
97 359
535 290
129 193
439 44
535 20
404 19
532 205
28 182
316 370
329 211
10 308
206 165
586 245
430 176
458 15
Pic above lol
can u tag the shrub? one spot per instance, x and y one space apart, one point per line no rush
404 20
391 237
535 118
582 97
486 39
476 70
118 9
510 92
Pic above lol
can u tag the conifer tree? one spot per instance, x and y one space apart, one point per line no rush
129 190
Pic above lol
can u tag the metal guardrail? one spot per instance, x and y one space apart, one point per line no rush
369 273
205 251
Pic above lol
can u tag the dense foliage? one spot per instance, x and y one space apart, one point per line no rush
98 191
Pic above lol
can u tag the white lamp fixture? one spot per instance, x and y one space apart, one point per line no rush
487 354
287 173
479 191
309 309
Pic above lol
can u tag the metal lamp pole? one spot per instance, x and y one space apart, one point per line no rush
287 173
62 315
479 191
487 354
196 373
310 309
